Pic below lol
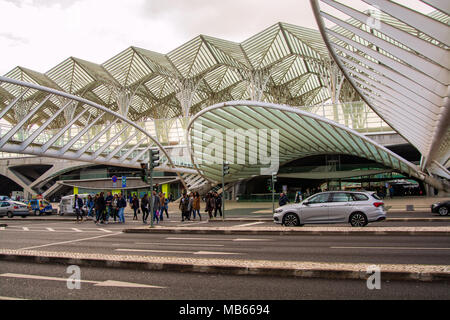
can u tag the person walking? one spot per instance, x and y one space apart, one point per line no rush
101 204
135 207
162 198
283 200
144 208
196 206
156 207
165 207
108 207
91 206
210 204
217 204
121 204
115 207
78 206
184 207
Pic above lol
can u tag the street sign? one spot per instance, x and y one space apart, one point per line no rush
124 182
114 179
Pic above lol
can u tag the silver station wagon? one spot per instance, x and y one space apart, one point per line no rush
356 208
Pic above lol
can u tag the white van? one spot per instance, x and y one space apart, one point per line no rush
66 204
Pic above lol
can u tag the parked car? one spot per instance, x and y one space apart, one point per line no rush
4 198
40 207
13 208
356 208
442 208
66 204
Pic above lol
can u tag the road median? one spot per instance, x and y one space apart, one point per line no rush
404 231
358 271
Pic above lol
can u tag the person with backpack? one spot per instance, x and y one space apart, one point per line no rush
156 207
210 204
114 207
90 205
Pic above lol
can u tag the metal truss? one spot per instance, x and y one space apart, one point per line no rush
398 60
104 137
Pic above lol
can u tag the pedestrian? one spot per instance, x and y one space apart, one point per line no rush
196 206
90 205
135 207
122 204
162 199
144 208
78 206
156 207
102 206
108 200
217 204
210 203
191 205
165 207
283 200
115 207
184 207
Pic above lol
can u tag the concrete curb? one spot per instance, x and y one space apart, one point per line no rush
387 220
393 231
233 267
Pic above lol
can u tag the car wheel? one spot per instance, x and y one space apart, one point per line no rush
291 220
10 215
358 219
23 217
443 211
37 213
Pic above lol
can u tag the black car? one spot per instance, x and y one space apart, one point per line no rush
442 208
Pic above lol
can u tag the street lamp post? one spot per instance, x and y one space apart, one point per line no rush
154 162
274 180
225 171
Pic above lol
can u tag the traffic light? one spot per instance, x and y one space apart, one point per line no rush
143 172
269 184
274 178
226 169
154 158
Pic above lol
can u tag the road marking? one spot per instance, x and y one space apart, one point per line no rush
71 241
11 298
216 239
191 224
188 252
50 229
153 251
25 229
180 244
76 230
104 230
248 224
390 248
107 283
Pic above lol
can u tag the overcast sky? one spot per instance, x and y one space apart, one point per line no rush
39 34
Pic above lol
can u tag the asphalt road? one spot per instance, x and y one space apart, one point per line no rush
49 282
89 238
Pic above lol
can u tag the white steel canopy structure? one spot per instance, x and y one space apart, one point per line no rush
283 64
398 60
301 134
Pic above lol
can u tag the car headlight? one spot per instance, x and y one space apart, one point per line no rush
436 205
278 210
